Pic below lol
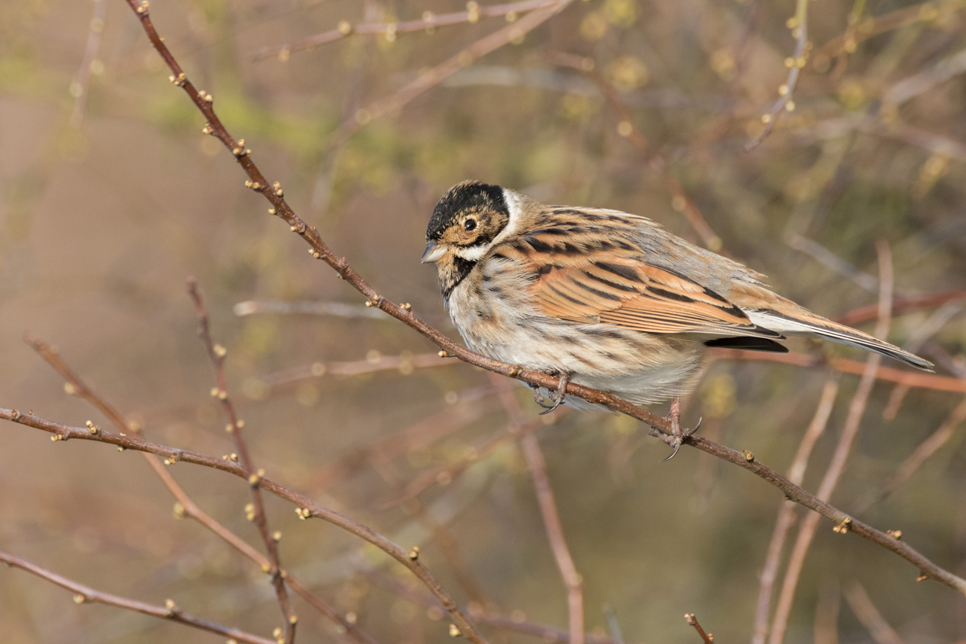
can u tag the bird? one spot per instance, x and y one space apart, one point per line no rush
604 298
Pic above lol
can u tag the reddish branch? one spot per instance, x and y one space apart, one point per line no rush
216 353
307 507
914 379
558 544
839 457
170 611
903 305
185 506
707 638
786 515
744 460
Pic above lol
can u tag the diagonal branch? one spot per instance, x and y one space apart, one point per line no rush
85 594
404 313
185 506
217 353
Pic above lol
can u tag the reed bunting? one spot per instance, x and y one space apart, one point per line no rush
604 298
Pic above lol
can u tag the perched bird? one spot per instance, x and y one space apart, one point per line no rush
604 298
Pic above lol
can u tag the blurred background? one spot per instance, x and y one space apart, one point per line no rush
110 197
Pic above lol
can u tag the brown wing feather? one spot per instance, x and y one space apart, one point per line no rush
588 285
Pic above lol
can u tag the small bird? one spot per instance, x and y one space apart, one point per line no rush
604 298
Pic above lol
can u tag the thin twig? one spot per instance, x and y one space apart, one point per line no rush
170 611
707 638
914 379
216 354
558 544
185 506
799 26
334 309
922 453
404 364
840 455
80 88
428 22
309 508
786 514
613 625
861 604
680 200
445 474
902 305
321 251
871 27
436 75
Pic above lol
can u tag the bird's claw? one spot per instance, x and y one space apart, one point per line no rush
556 396
677 437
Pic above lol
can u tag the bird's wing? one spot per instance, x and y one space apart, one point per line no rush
601 287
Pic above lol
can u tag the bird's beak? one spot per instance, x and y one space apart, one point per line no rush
433 253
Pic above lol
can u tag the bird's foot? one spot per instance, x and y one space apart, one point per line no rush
677 436
556 396
537 398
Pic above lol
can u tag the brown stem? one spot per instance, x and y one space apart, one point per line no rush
839 456
914 379
786 515
795 65
558 544
216 354
744 460
185 506
693 621
87 595
428 22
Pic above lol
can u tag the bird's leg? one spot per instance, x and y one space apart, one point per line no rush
676 437
557 396
537 398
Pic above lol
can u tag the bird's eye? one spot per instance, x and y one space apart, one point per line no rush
469 225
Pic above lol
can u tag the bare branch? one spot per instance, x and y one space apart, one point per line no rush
707 638
837 466
170 611
799 26
310 508
786 514
861 604
185 506
626 128
558 544
428 22
217 353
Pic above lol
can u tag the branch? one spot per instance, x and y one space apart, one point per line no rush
429 22
799 26
310 508
435 75
626 128
914 379
707 638
404 313
170 611
307 507
217 353
837 466
185 506
558 544
786 515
